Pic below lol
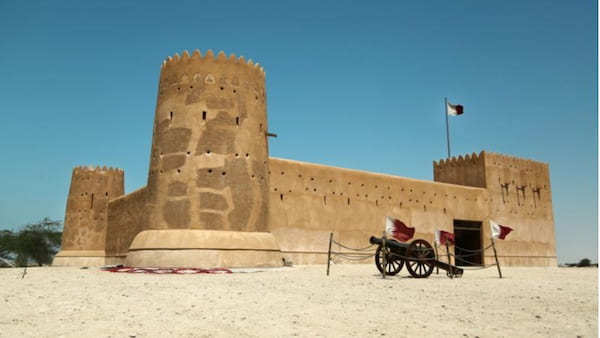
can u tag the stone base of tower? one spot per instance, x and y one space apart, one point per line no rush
204 249
79 258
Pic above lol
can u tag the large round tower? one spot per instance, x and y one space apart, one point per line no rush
208 177
84 233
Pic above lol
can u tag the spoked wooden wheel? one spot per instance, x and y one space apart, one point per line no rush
394 264
420 258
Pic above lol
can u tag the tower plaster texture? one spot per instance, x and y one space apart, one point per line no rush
209 161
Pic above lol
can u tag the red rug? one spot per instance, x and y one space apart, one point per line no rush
181 271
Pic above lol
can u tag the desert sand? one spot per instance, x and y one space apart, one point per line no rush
299 301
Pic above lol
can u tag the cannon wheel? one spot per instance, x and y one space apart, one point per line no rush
421 254
394 264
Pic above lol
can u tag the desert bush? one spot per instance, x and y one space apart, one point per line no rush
584 262
37 243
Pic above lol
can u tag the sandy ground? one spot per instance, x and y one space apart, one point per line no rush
299 301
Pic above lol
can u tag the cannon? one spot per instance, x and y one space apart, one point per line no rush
419 257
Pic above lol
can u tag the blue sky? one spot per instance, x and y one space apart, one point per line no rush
353 84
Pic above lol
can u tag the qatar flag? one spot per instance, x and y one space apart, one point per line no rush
398 230
499 231
454 109
444 238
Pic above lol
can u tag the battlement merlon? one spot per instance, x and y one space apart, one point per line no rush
98 169
209 58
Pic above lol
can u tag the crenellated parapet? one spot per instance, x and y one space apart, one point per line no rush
464 170
97 169
97 181
192 75
460 161
196 56
104 170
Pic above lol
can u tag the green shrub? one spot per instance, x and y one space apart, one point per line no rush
584 262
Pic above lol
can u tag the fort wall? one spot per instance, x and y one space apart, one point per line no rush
309 201
125 221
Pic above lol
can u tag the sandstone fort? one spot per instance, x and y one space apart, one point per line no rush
214 197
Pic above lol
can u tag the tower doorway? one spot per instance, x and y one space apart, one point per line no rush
467 236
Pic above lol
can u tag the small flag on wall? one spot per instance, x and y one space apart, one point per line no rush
398 230
454 109
444 238
499 231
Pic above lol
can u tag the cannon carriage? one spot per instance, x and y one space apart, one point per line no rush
418 256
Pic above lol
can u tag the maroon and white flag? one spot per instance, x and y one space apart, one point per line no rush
444 238
499 231
398 230
454 109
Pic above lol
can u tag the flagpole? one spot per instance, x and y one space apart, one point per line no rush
496 257
447 128
329 252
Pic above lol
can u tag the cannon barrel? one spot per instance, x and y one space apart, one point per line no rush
393 245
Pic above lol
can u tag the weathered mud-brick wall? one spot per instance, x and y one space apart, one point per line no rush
309 201
125 221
